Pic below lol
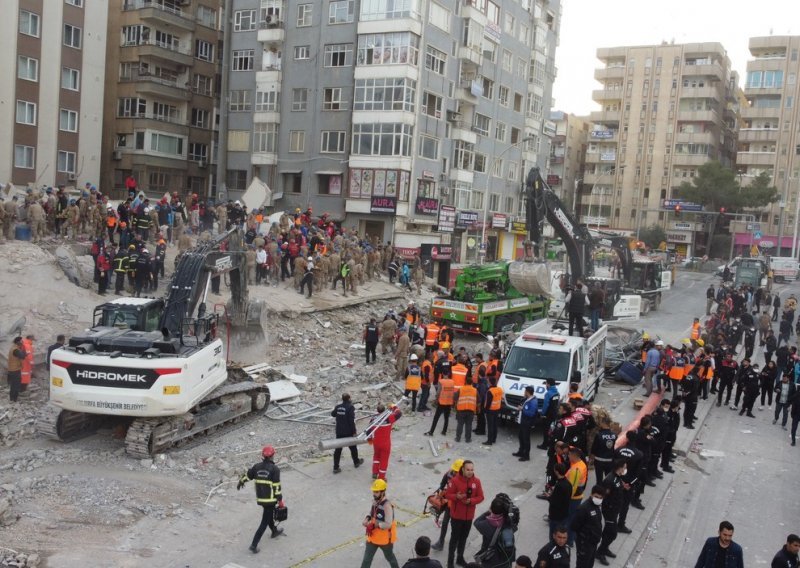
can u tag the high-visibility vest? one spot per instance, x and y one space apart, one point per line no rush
427 372
497 398
459 373
696 330
432 335
111 220
467 398
414 378
677 370
707 373
377 535
447 391
491 369
27 363
577 476
14 364
644 355
476 371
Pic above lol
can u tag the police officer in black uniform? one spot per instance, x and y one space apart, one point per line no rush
371 337
587 524
576 303
630 497
267 476
603 450
554 554
612 503
666 436
345 414
691 390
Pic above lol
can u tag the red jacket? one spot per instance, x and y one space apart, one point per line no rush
459 509
383 434
103 264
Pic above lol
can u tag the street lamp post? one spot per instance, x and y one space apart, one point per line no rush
489 173
612 171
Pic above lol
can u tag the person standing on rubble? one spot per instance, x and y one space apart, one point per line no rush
345 415
16 357
267 476
371 337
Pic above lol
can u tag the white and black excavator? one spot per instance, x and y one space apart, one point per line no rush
159 362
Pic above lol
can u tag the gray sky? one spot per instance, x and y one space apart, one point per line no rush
589 24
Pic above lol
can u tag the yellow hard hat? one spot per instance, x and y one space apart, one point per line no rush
700 342
645 336
686 341
379 485
457 464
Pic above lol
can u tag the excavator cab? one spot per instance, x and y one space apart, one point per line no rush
137 314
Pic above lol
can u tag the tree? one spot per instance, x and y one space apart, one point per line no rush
716 186
759 193
653 236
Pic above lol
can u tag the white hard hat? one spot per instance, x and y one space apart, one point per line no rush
411 302
659 343
413 357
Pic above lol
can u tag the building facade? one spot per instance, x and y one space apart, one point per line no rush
411 121
769 140
161 95
567 157
53 93
665 110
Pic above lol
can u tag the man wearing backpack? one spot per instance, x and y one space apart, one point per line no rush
497 529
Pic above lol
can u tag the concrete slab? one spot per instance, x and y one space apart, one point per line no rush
282 390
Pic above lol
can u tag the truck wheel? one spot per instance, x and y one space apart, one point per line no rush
779 279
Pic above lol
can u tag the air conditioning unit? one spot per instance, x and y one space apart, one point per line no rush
202 164
443 176
72 177
116 155
453 116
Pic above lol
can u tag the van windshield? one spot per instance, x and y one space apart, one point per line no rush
537 364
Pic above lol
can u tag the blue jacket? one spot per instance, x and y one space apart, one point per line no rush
708 556
552 392
531 408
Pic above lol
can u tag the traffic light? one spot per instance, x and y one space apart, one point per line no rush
678 211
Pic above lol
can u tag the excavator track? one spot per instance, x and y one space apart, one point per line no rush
227 404
64 425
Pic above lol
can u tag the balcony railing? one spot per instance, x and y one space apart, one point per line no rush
159 117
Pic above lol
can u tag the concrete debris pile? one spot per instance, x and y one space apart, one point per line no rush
79 269
10 557
17 421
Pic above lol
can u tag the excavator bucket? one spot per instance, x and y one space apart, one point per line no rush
530 278
245 338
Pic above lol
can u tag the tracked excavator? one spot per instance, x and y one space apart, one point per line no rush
159 363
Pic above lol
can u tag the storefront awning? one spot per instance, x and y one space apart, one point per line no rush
772 240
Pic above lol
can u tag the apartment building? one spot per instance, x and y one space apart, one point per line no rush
53 93
567 156
665 110
769 139
161 95
411 121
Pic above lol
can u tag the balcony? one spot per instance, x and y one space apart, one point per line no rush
758 134
462 175
756 158
171 53
601 95
155 121
606 53
590 180
696 138
264 158
271 31
159 86
470 53
609 73
698 116
773 91
468 91
706 69
605 116
556 160
753 112
689 159
463 131
158 12
700 93
471 11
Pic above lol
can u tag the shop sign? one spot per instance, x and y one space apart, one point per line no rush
441 252
384 204
407 252
467 219
518 227
553 179
426 206
498 221
447 219
679 237
427 174
608 156
601 134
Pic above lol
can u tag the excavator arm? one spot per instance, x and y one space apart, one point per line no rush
543 204
621 246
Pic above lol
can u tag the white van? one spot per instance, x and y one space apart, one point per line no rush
545 351
784 268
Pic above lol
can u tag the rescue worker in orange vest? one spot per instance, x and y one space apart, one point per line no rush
426 375
491 409
111 224
413 381
707 373
688 355
466 407
432 337
446 390
381 527
493 367
445 334
578 476
477 366
16 356
645 345
380 430
696 329
27 364
459 371
678 369
482 385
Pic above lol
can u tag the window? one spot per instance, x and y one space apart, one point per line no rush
386 10
203 50
497 166
198 152
463 155
240 101
502 96
385 94
68 120
338 55
428 147
203 85
488 88
131 107
387 139
28 23
236 179
242 60
302 52
165 112
135 35
166 144
435 60
244 21
299 99
200 118
27 68
480 163
396 48
24 156
72 36
66 161
207 16
341 11
500 131
267 101
333 142
265 137
512 176
304 12
432 104
481 124
332 99
76 3
494 202
439 16
26 113
508 61
297 141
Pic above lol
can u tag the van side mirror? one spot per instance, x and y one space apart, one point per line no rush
576 377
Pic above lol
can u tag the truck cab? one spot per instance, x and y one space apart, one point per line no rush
137 314
545 351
